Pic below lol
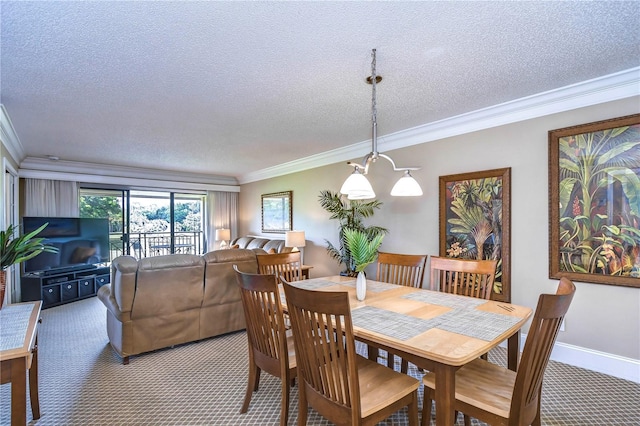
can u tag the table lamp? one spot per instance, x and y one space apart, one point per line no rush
295 239
223 235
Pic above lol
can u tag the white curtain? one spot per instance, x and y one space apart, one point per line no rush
52 198
222 212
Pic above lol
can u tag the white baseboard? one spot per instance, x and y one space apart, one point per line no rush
601 362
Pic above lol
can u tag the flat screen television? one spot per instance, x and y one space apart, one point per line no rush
82 243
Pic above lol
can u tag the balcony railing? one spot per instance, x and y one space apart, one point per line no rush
148 244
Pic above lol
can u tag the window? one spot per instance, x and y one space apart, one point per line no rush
147 223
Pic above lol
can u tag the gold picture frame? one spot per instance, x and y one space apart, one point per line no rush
475 221
594 202
277 212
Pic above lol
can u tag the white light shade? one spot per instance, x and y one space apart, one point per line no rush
294 239
406 186
357 187
223 234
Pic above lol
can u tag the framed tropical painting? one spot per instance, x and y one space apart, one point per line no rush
475 221
594 202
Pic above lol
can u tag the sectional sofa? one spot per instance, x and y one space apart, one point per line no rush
161 301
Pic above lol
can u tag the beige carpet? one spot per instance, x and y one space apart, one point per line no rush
83 382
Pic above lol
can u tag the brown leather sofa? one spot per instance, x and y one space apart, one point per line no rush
161 301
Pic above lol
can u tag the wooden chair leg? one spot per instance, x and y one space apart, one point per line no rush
413 410
302 405
426 407
252 385
372 353
404 366
467 419
284 403
391 360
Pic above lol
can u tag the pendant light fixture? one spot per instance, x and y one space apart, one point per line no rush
357 186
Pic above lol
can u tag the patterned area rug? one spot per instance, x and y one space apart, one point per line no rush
83 382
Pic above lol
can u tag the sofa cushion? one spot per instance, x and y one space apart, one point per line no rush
242 242
276 245
257 243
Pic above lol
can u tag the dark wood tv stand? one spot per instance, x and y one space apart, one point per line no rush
59 288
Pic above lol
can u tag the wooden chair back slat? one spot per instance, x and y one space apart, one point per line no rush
269 348
541 337
401 269
326 359
498 396
344 387
285 265
464 277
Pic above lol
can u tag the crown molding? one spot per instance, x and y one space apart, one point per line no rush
132 177
612 87
9 137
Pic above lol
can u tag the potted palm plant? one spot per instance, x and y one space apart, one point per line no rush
350 214
364 252
15 249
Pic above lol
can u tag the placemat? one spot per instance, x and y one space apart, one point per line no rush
392 324
373 286
313 284
14 320
445 299
479 324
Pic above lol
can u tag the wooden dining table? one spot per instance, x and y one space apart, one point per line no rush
19 357
436 331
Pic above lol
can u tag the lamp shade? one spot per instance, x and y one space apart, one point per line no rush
357 187
223 234
406 186
294 239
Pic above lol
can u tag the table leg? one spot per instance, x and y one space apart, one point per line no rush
33 383
18 391
513 351
446 394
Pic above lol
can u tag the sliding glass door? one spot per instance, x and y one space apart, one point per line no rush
147 223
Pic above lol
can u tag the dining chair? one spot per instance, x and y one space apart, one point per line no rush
286 265
497 395
344 387
400 269
271 348
464 277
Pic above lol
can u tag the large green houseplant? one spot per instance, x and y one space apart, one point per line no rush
351 215
15 248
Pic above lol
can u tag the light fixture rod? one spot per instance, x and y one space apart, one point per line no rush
374 154
374 111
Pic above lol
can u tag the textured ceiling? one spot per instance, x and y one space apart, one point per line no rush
227 88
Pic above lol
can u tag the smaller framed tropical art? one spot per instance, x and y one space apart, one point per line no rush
475 221
594 202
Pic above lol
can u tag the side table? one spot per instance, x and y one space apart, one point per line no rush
19 355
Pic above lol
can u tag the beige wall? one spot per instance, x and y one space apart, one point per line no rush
602 317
